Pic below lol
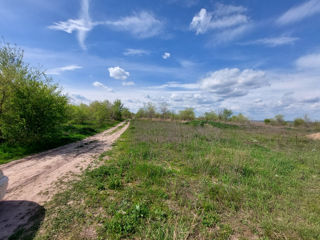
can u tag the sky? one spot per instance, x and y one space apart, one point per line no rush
260 58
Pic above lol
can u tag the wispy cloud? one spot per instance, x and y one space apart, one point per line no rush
300 12
58 71
141 25
135 52
226 21
130 83
101 85
225 16
274 41
82 25
311 61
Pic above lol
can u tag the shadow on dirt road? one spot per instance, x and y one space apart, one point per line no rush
15 216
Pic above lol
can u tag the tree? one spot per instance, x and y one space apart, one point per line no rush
299 122
165 113
239 118
117 110
225 114
280 119
187 114
32 108
210 116
150 110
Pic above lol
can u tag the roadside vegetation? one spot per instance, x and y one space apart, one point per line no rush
175 180
35 115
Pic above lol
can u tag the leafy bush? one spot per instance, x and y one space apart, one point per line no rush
31 107
298 122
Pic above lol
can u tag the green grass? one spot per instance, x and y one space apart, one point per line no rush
70 133
167 180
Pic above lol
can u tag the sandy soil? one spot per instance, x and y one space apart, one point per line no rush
32 180
315 136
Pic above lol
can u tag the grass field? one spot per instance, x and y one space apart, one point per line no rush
70 133
167 180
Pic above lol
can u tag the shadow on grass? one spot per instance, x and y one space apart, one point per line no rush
20 219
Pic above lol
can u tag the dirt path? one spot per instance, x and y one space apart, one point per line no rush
32 179
314 136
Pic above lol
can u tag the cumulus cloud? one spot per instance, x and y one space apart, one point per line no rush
58 71
118 73
101 85
166 55
233 82
135 52
274 42
140 25
81 25
300 12
130 83
225 16
311 61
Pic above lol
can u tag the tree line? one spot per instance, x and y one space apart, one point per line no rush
150 110
33 108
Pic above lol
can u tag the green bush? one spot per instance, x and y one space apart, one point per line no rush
298 122
31 107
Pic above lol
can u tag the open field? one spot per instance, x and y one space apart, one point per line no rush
34 180
167 180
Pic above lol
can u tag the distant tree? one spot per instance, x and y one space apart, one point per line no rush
267 121
164 111
126 114
100 111
225 114
150 110
117 108
239 118
141 113
280 119
210 116
187 114
299 122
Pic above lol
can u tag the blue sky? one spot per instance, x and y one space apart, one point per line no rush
260 58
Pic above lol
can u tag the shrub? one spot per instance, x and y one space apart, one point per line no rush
298 122
31 107
187 114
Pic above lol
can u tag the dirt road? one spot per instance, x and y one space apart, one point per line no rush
32 179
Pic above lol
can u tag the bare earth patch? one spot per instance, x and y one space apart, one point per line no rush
314 136
32 176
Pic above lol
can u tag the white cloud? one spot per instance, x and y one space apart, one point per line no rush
298 13
275 41
130 83
233 82
58 71
135 52
101 85
225 16
82 25
118 73
140 25
231 34
166 55
311 61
